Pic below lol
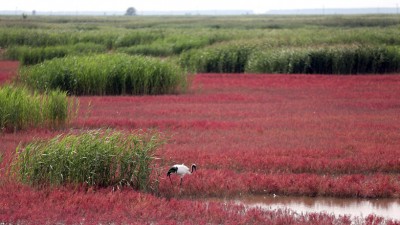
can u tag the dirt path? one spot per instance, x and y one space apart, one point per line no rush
8 69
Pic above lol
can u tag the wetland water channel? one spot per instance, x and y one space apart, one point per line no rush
386 208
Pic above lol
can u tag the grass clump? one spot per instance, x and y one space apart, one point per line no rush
336 60
106 74
155 50
98 158
32 37
20 108
230 58
136 38
172 44
32 55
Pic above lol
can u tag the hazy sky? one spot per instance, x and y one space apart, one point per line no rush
258 6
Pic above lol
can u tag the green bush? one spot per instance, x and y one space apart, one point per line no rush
33 55
19 108
230 58
97 158
136 38
15 36
336 60
172 43
106 74
18 36
184 42
149 50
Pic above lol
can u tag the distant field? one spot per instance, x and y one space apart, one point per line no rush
276 44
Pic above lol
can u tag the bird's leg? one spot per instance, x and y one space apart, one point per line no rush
170 179
180 186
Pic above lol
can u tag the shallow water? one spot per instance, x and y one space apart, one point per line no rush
386 208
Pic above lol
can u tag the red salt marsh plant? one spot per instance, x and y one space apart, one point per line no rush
67 206
288 135
319 130
225 183
7 70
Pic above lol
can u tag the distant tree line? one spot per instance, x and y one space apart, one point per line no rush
131 11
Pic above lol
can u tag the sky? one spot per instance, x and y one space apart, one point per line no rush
257 6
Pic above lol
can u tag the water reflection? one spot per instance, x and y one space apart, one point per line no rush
387 208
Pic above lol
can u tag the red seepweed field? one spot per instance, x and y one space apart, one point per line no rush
7 70
312 135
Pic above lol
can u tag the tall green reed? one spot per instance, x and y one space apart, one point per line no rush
21 108
106 74
32 55
230 58
327 60
98 158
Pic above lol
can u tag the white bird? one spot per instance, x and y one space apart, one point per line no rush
180 170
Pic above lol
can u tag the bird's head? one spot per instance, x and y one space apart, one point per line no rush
194 167
172 170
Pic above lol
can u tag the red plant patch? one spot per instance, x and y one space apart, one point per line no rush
7 70
285 134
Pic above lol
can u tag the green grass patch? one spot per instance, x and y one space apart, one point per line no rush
46 36
155 50
106 74
98 158
174 42
228 44
32 55
336 60
230 58
138 37
20 108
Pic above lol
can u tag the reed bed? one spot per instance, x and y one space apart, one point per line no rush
340 59
336 60
27 55
62 35
237 44
20 36
20 108
138 37
231 58
106 74
97 158
173 44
